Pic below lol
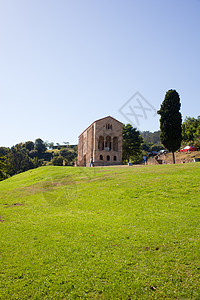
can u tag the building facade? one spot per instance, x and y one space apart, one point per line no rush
101 141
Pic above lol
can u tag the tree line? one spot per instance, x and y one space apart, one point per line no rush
190 134
30 155
172 135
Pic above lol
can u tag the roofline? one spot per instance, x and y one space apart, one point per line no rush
99 120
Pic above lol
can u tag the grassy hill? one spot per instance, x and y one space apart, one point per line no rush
101 233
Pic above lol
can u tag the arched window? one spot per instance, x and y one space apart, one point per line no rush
101 157
115 143
115 158
108 157
108 143
108 126
101 143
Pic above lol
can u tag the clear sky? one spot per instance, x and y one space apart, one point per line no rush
66 63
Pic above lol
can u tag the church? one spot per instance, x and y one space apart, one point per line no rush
101 142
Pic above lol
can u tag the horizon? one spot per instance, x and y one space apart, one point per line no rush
65 64
60 144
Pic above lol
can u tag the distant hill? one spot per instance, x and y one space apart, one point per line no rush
151 137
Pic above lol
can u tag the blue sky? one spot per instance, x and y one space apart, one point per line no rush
64 64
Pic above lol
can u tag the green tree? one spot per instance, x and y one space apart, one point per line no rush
18 160
3 167
197 133
33 153
50 145
4 151
197 137
70 155
132 143
170 122
190 129
57 160
29 145
146 147
40 146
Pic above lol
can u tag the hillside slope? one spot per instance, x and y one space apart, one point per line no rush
180 157
101 233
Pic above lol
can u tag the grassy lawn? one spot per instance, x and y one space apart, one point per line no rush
101 233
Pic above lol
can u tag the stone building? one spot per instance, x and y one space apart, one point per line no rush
102 141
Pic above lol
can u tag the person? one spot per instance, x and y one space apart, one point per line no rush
144 159
91 162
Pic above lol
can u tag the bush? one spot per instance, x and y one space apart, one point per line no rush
57 161
33 153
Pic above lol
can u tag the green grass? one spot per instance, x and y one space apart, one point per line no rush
101 233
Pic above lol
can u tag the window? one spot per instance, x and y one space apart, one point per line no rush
115 143
101 143
108 157
108 126
108 143
115 158
101 157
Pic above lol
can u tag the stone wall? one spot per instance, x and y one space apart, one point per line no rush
102 141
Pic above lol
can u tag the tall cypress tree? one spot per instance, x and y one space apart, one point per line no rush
170 122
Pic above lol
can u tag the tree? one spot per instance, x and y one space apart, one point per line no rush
3 167
170 122
40 146
18 160
132 142
69 155
29 145
33 153
57 160
190 129
4 151
50 145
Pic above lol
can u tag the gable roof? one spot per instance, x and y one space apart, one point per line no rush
100 120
